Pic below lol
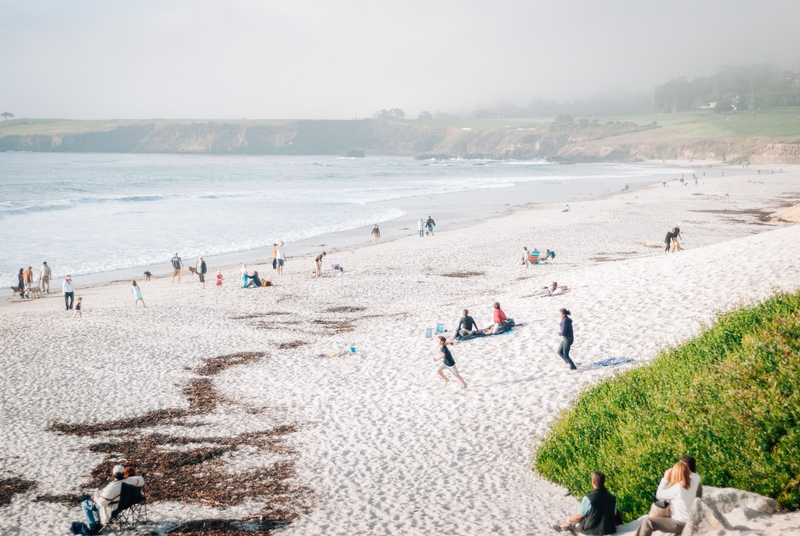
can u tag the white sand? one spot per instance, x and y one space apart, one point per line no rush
387 449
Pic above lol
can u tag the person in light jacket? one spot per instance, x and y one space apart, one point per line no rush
680 489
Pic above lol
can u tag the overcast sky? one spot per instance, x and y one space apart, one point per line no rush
345 59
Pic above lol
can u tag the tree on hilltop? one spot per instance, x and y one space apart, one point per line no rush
394 113
425 116
7 115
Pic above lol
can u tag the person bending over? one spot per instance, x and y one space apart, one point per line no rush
596 513
102 505
466 325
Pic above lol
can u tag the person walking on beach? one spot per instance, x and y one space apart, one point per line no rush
376 233
177 267
201 271
274 256
526 257
567 338
21 282
676 245
448 363
430 224
421 227
78 308
219 280
69 292
137 295
318 262
44 277
27 279
281 257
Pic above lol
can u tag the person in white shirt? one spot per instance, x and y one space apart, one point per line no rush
281 257
421 227
680 489
69 292
102 505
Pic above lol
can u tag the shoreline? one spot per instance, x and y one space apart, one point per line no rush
454 210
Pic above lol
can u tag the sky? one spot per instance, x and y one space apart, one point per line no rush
343 59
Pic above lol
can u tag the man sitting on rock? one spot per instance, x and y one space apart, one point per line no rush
597 512
102 505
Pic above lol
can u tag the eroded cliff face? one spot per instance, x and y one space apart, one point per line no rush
602 143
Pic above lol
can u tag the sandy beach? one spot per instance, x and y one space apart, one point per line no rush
372 443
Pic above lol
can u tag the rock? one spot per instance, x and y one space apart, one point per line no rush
725 500
710 512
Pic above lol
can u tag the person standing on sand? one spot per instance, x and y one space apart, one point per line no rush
21 282
44 277
376 233
676 245
430 224
274 256
78 308
567 338
318 262
27 278
201 271
219 280
421 227
177 267
137 295
526 257
281 257
448 363
69 292
668 240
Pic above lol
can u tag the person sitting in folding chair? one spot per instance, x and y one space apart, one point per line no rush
99 510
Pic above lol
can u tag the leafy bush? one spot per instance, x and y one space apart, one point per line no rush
730 397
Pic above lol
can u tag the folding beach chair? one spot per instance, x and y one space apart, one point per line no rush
132 510
534 257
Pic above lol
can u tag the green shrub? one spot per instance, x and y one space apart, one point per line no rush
730 397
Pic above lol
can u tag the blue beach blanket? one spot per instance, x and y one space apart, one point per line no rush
611 362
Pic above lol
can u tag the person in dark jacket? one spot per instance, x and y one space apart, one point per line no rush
255 281
597 514
566 338
202 270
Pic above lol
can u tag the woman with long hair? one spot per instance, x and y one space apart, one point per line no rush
680 489
567 338
137 295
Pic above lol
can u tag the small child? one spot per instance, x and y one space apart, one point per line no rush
137 295
219 280
448 363
78 308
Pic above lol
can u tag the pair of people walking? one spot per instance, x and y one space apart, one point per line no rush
177 269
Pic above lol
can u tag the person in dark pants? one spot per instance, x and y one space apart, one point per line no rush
597 513
567 338
202 269
668 240
69 292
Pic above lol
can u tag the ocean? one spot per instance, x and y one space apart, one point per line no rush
92 213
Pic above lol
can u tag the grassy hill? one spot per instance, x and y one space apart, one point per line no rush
730 397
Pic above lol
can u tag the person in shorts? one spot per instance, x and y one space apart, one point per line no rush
448 363
281 257
318 262
177 267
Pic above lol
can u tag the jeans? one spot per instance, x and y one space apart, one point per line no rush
91 513
563 351
421 233
68 298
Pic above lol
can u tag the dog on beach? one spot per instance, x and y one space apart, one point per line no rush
192 270
16 290
147 275
35 292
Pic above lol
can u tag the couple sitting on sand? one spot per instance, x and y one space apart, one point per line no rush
553 290
597 513
468 328
100 508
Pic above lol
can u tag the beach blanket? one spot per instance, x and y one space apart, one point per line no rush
611 362
507 327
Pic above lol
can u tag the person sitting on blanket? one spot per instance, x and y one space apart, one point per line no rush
101 506
466 325
255 281
497 320
553 290
597 513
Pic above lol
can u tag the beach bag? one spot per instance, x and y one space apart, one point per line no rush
660 509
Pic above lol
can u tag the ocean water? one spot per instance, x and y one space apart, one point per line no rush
91 213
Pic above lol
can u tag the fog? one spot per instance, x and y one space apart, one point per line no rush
345 59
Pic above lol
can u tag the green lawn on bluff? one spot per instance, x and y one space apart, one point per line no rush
730 397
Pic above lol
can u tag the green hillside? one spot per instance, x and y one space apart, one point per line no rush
730 397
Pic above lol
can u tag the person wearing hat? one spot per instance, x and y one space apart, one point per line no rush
99 509
201 271
44 277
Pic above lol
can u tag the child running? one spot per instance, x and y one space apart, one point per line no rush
219 280
137 295
78 308
448 363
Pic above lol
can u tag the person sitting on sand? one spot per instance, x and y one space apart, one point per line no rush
497 319
255 281
596 513
318 262
448 363
680 489
99 508
466 325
